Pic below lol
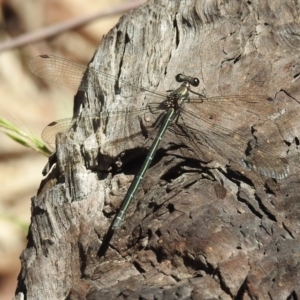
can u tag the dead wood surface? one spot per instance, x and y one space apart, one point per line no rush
184 237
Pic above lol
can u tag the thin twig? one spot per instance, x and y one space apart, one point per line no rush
56 29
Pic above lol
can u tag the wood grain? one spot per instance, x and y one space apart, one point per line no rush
180 240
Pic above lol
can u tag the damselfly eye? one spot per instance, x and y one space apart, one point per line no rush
180 78
195 82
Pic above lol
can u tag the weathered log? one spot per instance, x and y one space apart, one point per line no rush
184 237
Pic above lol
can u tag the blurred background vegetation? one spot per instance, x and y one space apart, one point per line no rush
32 103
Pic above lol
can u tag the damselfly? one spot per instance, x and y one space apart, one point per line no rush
209 123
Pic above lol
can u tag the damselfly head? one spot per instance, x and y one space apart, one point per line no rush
191 80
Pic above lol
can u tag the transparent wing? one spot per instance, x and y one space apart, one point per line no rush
70 74
238 128
225 126
222 126
117 131
58 70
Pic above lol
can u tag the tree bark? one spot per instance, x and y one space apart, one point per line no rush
195 230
